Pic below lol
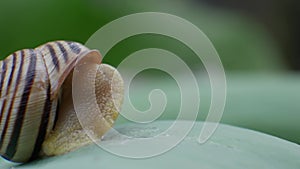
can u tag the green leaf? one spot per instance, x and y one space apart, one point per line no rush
229 147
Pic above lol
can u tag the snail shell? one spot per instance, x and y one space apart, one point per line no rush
37 115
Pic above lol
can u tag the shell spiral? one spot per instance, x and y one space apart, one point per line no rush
35 86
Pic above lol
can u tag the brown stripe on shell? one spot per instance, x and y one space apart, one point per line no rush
10 78
57 77
74 47
12 73
56 114
53 56
3 71
12 146
43 125
34 109
63 51
7 119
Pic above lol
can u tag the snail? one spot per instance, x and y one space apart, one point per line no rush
37 115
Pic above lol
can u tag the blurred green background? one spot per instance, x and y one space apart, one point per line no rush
256 41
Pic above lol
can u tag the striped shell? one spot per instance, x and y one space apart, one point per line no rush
37 116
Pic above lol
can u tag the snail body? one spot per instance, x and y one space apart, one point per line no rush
37 115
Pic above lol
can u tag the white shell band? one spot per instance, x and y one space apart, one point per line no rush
5 164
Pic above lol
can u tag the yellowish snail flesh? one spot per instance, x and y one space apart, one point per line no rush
37 112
